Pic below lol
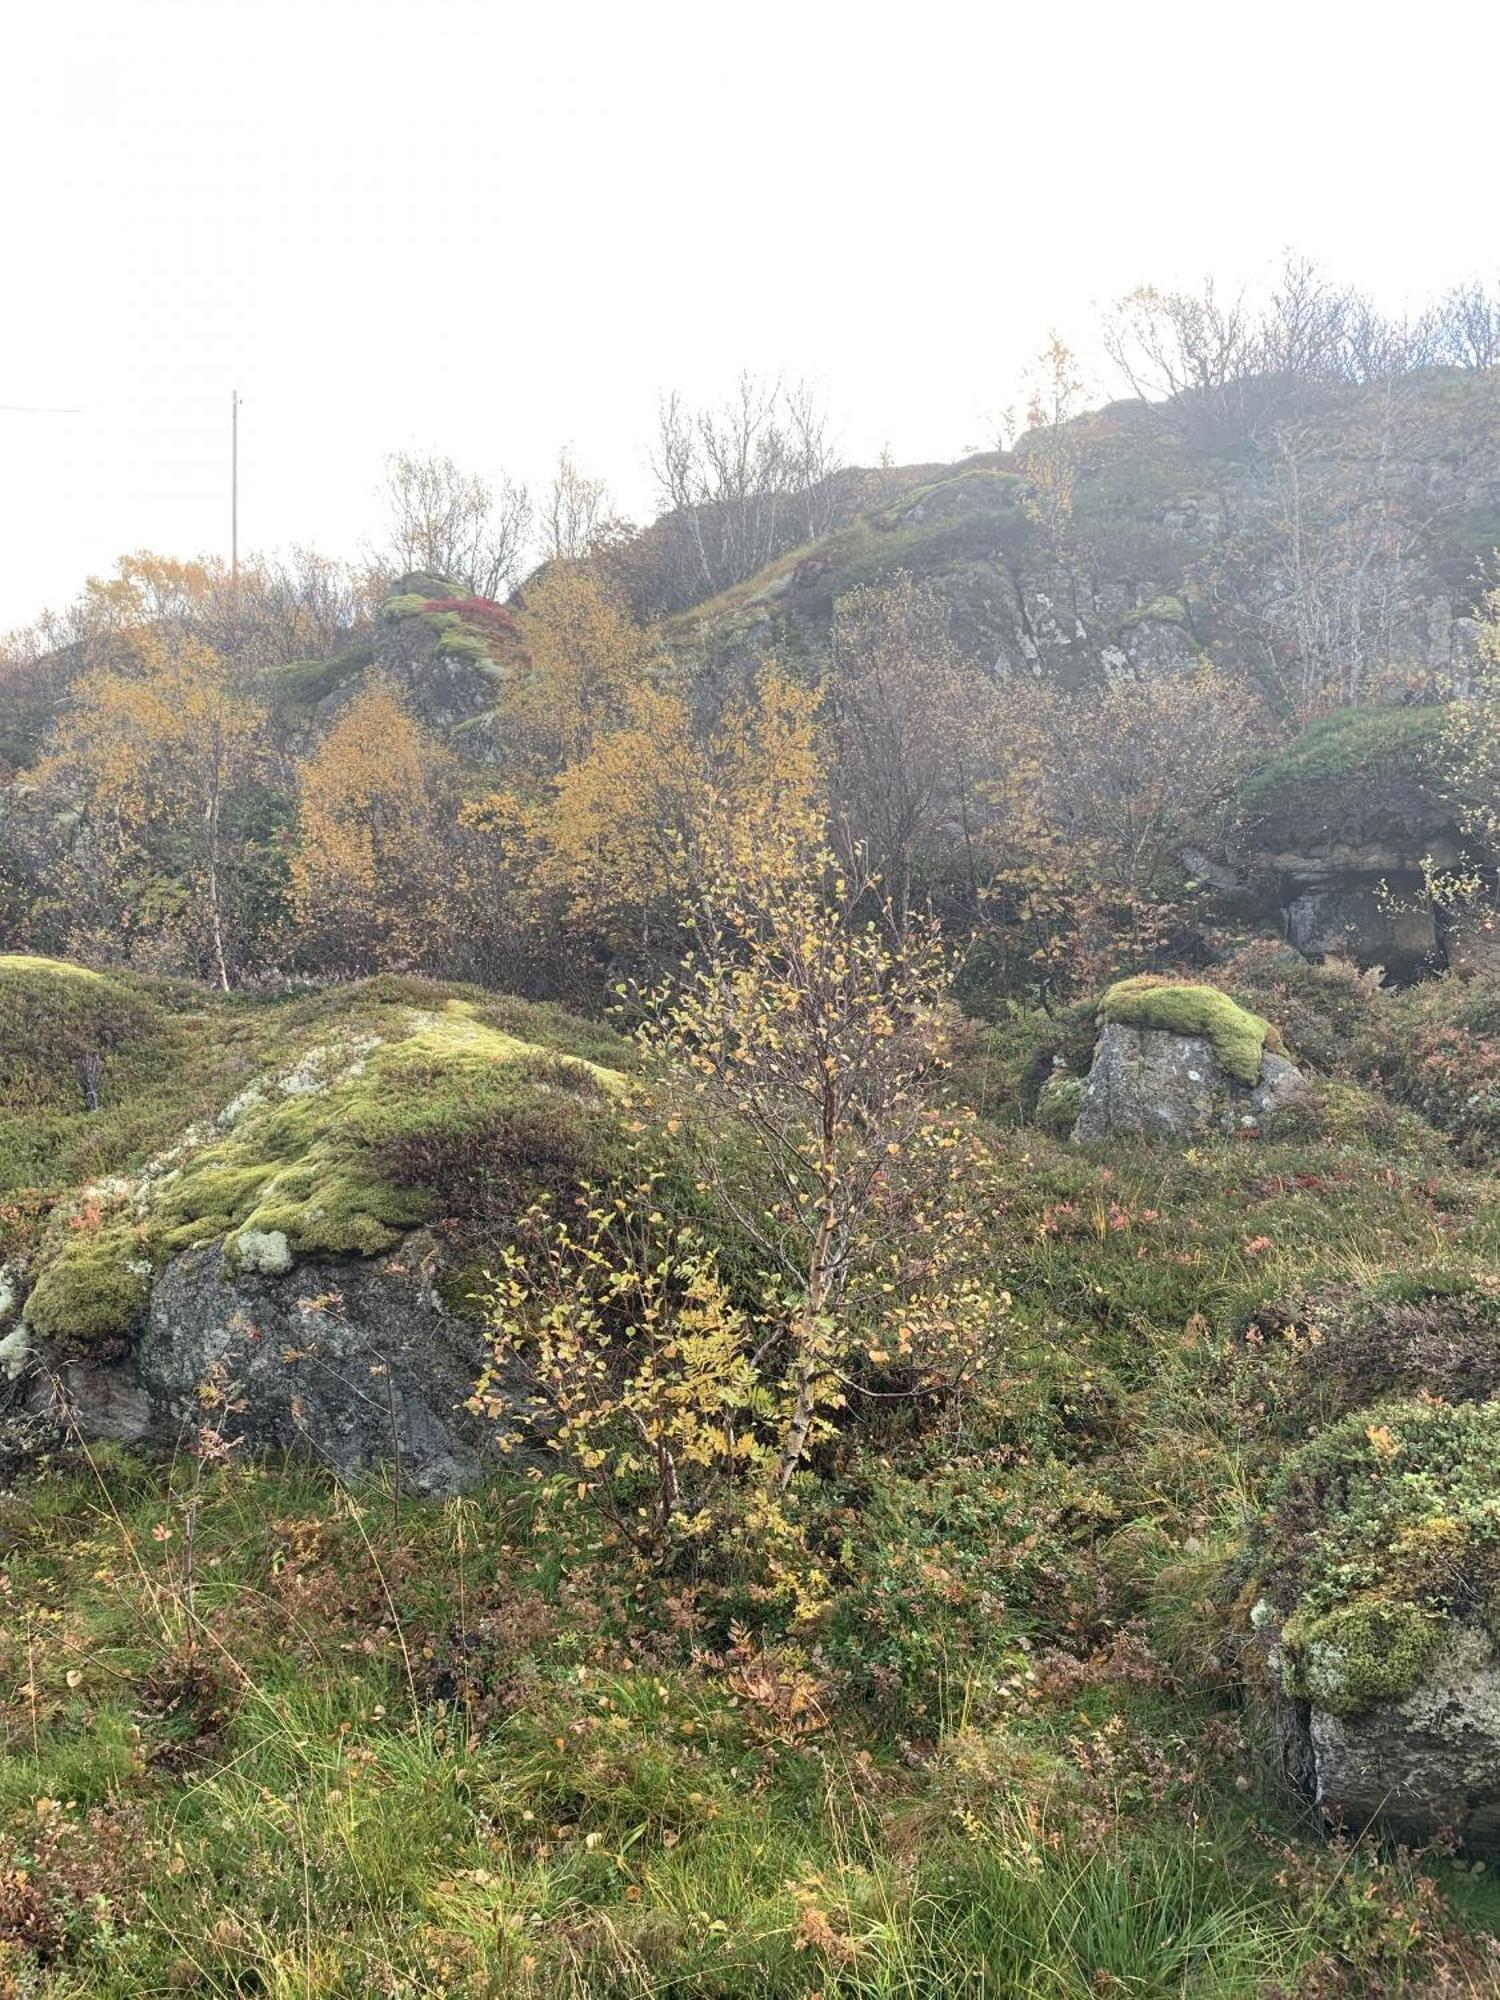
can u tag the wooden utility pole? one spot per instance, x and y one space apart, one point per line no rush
234 493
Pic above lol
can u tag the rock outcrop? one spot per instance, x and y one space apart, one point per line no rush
1178 1062
1410 1769
1345 820
297 1271
446 653
353 1363
1137 580
1376 1623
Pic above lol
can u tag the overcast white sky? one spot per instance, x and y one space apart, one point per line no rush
489 229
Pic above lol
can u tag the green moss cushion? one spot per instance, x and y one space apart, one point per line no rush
1239 1037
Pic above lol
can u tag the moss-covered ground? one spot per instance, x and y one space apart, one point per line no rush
269 1735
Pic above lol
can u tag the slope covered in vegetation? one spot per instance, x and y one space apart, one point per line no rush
271 1733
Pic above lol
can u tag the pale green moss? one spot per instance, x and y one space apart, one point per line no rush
408 605
461 645
1239 1037
91 1290
16 963
1368 1651
1163 610
309 1164
397 1111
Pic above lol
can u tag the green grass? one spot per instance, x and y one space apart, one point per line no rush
301 684
268 1734
56 1018
253 1746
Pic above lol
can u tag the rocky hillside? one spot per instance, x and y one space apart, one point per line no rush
1358 523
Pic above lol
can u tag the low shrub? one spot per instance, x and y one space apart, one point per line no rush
1433 1332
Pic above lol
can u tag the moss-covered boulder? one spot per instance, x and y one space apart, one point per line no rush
1345 817
1356 790
1176 1061
1239 1037
305 1203
1377 1614
364 1135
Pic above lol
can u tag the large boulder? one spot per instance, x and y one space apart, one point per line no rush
1178 1062
298 1272
1414 1768
353 1362
1376 1621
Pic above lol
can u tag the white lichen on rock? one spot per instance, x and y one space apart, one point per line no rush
263 1250
14 1350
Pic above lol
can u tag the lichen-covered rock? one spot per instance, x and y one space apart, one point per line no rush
1160 1084
1378 1618
354 1363
1425 1764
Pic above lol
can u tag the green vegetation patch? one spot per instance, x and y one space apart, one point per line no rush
406 604
1348 766
1239 1037
92 1289
1384 1531
1058 1104
1432 1331
1165 609
302 684
64 1029
334 1162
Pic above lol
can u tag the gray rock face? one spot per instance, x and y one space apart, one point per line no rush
1150 1082
444 692
1351 919
351 1363
1413 1768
